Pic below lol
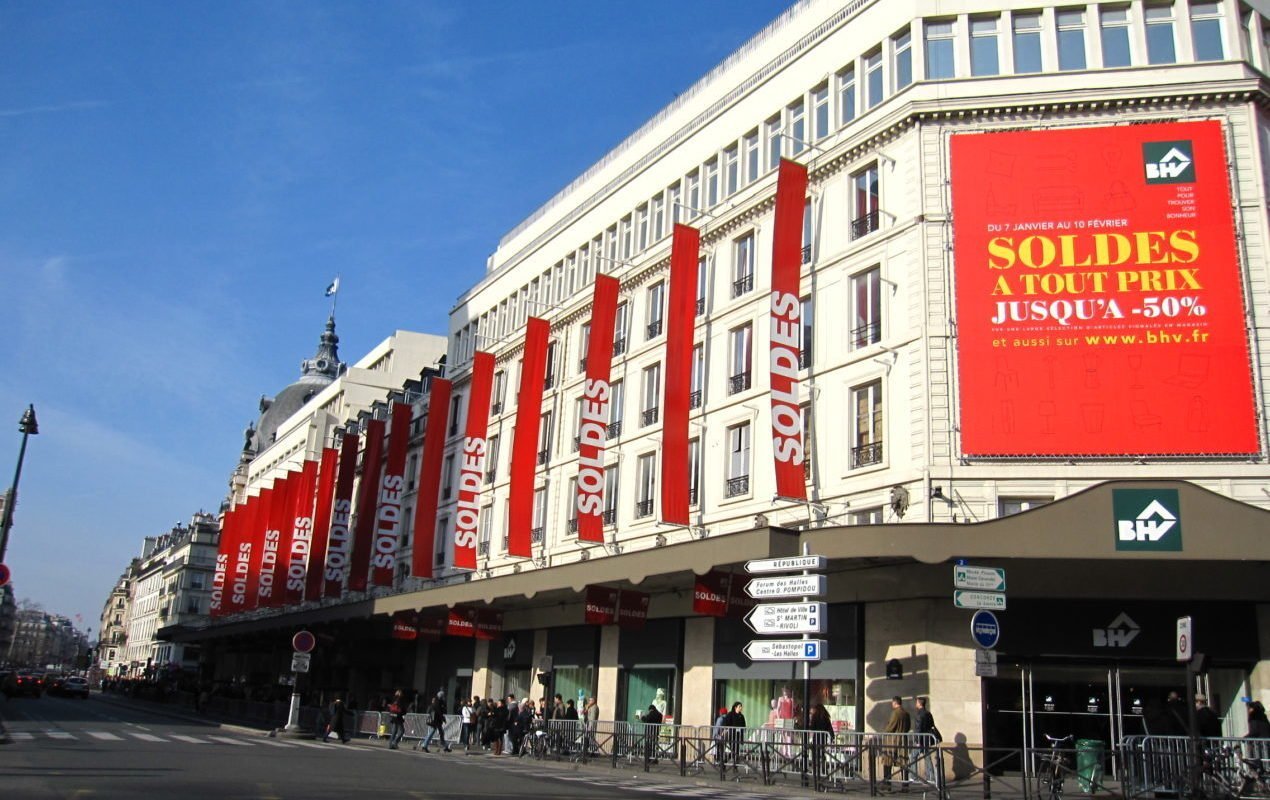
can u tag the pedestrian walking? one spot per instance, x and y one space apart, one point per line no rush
1207 723
522 726
396 719
652 720
436 723
336 725
895 747
466 717
592 712
924 723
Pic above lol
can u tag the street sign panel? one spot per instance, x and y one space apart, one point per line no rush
786 586
964 598
988 579
303 642
785 650
985 629
300 662
764 565
1185 639
779 618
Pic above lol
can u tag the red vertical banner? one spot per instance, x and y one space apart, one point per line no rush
594 423
297 567
277 542
685 250
224 548
257 534
367 493
632 609
525 440
467 518
489 624
430 479
786 343
405 625
600 605
710 594
392 486
461 622
240 583
339 543
321 524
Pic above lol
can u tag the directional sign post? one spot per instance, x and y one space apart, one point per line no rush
300 662
783 618
988 579
761 566
963 598
786 586
785 649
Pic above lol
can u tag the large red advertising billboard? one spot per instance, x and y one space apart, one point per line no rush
1100 309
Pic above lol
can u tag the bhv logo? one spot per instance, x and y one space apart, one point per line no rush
1147 519
1119 633
1168 162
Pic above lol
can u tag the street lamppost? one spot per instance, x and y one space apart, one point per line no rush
27 426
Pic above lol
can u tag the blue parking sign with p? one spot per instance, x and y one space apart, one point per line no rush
809 650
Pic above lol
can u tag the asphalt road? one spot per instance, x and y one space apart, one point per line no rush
73 749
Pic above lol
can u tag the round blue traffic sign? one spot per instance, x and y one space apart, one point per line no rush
985 629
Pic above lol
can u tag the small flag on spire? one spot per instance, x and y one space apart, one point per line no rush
332 288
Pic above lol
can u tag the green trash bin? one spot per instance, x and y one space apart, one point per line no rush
1089 758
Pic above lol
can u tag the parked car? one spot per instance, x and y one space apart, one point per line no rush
24 684
74 686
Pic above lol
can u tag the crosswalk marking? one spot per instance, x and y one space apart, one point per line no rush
272 743
188 739
104 736
146 737
21 736
311 744
58 735
227 740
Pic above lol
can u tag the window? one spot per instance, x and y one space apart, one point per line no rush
738 478
739 349
549 375
694 471
641 228
772 134
1071 38
539 526
807 231
1115 37
867 400
619 329
864 200
651 394
483 526
820 112
627 238
584 345
743 265
499 392
712 183
866 516
412 470
544 437
750 143
610 494
1016 505
645 476
694 196
1027 41
442 539
456 409
659 217
939 50
731 170
1160 46
447 477
797 127
866 308
805 340
984 54
698 377
701 286
804 413
1206 30
617 396
491 458
902 59
672 202
846 95
572 505
656 308
873 78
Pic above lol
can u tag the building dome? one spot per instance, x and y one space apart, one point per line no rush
316 373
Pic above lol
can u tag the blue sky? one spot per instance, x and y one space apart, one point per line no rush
180 181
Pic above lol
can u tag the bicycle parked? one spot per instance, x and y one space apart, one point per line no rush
1052 771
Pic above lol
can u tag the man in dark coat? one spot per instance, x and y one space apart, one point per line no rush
1207 723
436 723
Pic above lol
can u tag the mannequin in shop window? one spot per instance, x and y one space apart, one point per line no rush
785 709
